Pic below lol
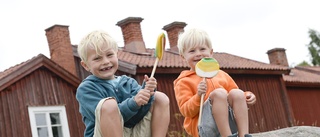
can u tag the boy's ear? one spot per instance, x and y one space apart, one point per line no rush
85 66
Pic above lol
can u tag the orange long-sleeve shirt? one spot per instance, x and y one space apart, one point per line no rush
185 88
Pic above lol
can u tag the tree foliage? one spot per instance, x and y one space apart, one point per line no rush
314 47
304 63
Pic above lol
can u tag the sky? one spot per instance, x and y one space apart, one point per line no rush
245 28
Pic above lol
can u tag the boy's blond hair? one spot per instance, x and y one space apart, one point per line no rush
98 40
191 38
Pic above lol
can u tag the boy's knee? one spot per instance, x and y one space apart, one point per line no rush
236 94
110 106
219 93
161 98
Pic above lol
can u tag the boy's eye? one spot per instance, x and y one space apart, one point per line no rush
97 58
191 51
110 54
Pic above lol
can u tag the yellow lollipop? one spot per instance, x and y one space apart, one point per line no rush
206 68
158 52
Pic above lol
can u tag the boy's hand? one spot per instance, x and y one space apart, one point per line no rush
142 97
202 87
250 98
151 84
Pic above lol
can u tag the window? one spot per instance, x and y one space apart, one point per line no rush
48 121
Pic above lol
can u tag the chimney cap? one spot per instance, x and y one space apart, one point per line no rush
129 20
275 49
173 25
56 25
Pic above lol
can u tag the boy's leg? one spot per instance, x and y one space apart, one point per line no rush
208 126
107 112
155 123
142 129
232 122
160 115
220 111
238 103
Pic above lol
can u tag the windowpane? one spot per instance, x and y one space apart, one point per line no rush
42 132
55 118
48 121
57 131
41 119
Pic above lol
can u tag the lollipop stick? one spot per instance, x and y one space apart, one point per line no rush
154 67
201 104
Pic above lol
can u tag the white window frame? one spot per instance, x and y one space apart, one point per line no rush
48 109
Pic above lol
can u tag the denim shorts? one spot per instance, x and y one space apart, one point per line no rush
208 126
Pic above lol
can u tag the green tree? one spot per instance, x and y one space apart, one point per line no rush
314 47
304 63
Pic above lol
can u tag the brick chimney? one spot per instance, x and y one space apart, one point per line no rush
60 47
132 35
277 56
173 30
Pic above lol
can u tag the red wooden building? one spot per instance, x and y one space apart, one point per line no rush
38 96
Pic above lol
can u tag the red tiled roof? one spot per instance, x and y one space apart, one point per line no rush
18 71
226 61
313 69
303 75
172 60
13 68
168 60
